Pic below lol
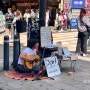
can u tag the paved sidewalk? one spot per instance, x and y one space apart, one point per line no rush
79 81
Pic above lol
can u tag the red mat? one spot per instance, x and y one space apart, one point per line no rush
22 76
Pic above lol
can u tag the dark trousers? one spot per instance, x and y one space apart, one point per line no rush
22 69
68 24
82 42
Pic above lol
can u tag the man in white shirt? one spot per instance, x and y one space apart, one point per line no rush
29 50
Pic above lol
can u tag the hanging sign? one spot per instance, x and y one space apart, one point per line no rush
78 3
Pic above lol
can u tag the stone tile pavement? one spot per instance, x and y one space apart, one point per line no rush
80 80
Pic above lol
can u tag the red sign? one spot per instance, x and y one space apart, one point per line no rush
66 6
87 3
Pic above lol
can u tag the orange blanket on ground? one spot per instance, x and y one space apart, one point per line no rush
22 76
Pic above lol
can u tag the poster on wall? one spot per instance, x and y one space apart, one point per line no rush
87 3
74 23
67 6
88 7
75 13
33 26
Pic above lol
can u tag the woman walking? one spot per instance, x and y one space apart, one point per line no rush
83 22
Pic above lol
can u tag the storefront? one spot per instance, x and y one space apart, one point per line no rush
31 4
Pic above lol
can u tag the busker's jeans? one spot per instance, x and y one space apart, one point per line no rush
82 42
22 69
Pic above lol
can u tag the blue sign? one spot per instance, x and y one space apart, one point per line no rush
74 23
78 3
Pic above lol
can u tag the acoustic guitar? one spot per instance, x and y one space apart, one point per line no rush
34 61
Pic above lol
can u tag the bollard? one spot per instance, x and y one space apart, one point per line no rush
15 51
6 53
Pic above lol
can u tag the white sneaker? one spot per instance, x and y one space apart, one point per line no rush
61 29
84 55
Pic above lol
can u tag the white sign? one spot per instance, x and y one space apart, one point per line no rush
52 66
78 2
45 33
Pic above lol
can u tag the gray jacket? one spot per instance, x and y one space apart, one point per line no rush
81 25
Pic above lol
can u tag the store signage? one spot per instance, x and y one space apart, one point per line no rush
74 23
78 3
67 6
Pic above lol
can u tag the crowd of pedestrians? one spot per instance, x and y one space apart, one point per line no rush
60 20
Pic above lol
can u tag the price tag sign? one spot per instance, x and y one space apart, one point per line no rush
52 66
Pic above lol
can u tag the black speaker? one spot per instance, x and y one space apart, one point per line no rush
21 26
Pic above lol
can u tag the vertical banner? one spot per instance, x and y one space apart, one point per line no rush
74 23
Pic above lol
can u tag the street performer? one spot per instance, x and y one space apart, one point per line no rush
24 60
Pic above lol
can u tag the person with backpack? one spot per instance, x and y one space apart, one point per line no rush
83 23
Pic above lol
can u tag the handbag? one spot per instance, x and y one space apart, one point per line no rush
88 28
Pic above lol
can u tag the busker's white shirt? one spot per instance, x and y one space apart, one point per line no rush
28 51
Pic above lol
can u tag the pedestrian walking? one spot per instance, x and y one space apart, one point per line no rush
69 17
16 17
9 19
60 23
47 17
26 15
83 22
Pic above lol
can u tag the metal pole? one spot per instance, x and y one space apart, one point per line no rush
6 53
11 3
15 51
42 16
42 13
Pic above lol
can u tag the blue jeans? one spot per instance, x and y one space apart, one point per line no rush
22 69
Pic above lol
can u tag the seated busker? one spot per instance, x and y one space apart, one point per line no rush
28 61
